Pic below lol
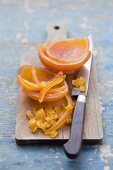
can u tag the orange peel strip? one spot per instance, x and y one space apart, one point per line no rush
48 97
38 86
55 90
51 91
55 82
64 116
34 76
29 85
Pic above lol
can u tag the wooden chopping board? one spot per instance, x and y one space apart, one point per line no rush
93 131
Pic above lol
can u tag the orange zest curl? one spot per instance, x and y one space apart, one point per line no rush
39 84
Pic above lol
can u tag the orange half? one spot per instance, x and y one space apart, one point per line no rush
65 55
39 84
69 50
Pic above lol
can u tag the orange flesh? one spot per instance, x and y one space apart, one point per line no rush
56 66
68 50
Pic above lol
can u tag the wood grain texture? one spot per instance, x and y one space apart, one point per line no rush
93 129
93 122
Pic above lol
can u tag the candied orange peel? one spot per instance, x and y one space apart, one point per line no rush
66 114
39 84
49 119
66 55
44 86
79 83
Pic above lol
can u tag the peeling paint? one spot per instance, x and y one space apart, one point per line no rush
106 168
12 100
56 156
103 108
106 153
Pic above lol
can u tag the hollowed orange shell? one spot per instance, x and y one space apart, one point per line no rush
31 89
66 55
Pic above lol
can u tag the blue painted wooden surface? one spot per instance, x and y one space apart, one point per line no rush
22 25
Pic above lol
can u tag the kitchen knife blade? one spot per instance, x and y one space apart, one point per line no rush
73 146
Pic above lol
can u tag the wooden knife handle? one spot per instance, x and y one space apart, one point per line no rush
73 146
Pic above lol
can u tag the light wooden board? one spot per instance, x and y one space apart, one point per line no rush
93 131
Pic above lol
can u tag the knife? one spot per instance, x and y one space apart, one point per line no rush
73 145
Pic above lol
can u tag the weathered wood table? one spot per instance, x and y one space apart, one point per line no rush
22 26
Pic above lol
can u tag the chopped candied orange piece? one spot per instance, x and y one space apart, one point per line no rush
47 124
57 109
78 82
49 111
39 124
69 120
53 134
83 88
55 116
29 115
53 122
64 116
40 114
33 125
82 79
50 117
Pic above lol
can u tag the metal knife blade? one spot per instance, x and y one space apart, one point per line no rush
73 146
84 72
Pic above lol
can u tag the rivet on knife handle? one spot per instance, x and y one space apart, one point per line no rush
72 147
